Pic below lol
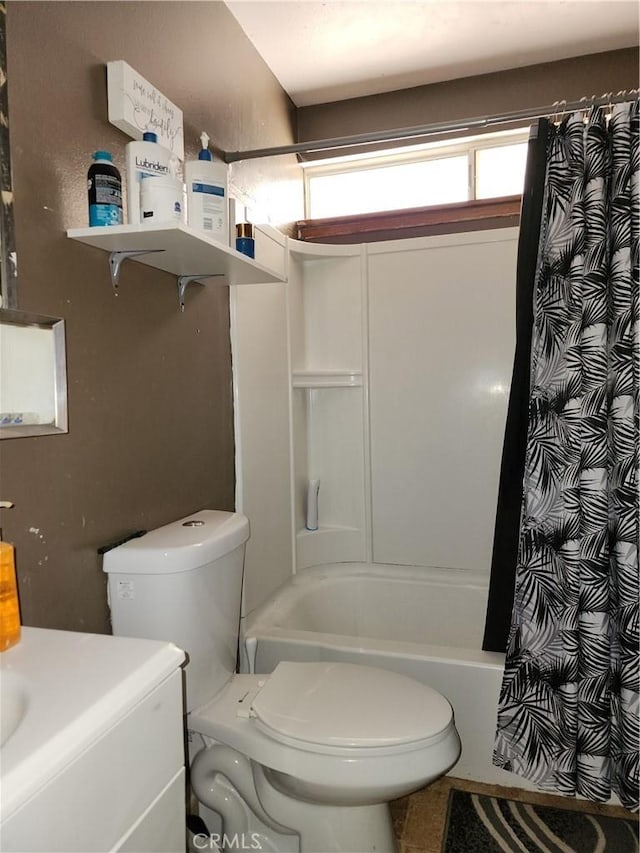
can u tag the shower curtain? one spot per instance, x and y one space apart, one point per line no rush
569 703
507 529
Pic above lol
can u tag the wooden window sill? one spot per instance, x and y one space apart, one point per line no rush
395 224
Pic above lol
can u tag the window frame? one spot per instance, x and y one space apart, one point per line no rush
502 212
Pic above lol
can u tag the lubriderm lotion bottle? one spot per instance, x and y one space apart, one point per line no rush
145 159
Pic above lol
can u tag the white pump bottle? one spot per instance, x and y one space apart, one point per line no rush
208 194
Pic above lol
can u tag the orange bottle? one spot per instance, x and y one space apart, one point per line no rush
9 606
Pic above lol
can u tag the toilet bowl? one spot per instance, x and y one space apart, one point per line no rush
335 733
332 743
305 758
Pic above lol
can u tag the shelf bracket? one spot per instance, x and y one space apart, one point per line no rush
185 280
116 259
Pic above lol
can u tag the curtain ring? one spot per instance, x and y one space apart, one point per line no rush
563 109
626 96
558 111
592 108
587 107
609 112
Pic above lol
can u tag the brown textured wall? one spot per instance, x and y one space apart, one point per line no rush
150 405
468 97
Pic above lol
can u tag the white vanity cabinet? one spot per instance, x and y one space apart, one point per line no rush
95 757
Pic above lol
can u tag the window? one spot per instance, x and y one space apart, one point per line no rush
500 170
482 167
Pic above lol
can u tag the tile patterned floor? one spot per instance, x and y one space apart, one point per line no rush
419 820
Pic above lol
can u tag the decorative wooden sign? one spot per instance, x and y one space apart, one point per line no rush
135 106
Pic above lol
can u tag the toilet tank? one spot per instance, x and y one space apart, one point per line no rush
182 583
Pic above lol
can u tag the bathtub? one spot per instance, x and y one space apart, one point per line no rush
424 623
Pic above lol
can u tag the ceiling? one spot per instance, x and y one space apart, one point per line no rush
329 51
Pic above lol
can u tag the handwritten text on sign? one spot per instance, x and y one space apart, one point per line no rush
135 106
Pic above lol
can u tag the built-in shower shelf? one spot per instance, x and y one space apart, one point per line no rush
329 544
326 528
327 379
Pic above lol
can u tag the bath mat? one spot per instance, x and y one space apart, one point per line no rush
477 823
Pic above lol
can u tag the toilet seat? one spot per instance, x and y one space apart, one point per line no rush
342 705
361 773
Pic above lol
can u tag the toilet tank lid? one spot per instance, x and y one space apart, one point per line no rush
183 545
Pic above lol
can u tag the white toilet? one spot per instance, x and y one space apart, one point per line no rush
306 758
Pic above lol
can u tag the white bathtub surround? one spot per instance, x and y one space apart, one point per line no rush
441 341
382 370
261 373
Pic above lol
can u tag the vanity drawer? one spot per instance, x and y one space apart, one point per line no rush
161 828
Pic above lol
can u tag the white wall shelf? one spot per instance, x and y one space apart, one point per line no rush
183 251
327 379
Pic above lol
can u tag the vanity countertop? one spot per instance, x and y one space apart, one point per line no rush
62 690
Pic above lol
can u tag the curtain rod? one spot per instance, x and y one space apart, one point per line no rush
558 108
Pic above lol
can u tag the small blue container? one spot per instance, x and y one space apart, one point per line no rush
244 239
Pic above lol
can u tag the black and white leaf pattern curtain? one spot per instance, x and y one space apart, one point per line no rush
569 704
